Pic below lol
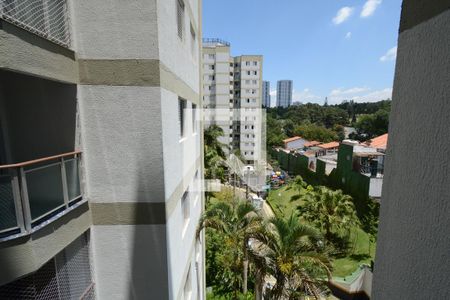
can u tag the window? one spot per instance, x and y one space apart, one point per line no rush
254 82
185 207
187 289
248 100
255 63
211 56
248 73
247 63
194 118
255 72
231 64
211 67
181 116
180 17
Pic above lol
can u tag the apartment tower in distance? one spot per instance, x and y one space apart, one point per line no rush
266 94
232 89
284 93
100 150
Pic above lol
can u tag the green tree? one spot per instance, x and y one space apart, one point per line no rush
331 211
235 221
214 154
317 133
290 252
372 125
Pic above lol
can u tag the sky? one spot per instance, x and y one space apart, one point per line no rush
340 49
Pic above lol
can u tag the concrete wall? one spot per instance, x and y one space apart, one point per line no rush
137 164
413 249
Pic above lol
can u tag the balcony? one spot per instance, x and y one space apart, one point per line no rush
46 18
34 193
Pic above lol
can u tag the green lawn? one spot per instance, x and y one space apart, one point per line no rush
280 201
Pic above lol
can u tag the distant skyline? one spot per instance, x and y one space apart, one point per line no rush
342 50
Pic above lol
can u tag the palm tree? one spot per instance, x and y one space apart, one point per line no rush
331 211
290 252
214 153
236 220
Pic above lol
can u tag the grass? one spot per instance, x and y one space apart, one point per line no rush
280 201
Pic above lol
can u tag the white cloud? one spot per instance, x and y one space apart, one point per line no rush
351 91
369 8
305 96
391 54
359 94
348 35
343 14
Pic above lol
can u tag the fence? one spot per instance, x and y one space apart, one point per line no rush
46 18
66 276
35 191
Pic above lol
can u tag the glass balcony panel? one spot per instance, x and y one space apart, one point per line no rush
7 208
45 191
73 181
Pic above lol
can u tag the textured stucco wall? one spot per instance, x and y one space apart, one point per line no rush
28 53
115 29
413 249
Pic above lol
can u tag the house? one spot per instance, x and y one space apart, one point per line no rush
328 148
379 142
312 144
295 142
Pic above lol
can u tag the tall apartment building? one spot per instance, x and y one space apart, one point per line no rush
284 93
232 88
100 150
266 94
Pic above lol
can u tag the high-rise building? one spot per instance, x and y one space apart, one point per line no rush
266 94
101 150
232 89
284 93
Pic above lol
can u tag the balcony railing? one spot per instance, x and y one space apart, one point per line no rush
35 192
46 18
214 42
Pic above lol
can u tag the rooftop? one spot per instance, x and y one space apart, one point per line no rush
294 138
379 142
330 145
312 144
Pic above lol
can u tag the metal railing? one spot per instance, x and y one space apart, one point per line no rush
214 41
46 18
33 192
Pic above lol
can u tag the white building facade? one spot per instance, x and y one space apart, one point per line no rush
118 88
284 93
233 98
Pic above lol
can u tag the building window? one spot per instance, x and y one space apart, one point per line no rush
254 82
185 207
194 118
255 72
248 73
211 56
247 63
255 63
187 289
180 17
211 67
181 115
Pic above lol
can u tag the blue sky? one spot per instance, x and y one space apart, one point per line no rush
340 49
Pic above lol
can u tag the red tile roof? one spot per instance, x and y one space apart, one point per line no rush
291 139
379 142
330 145
312 144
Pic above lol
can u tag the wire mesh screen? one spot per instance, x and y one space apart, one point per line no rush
66 276
47 18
